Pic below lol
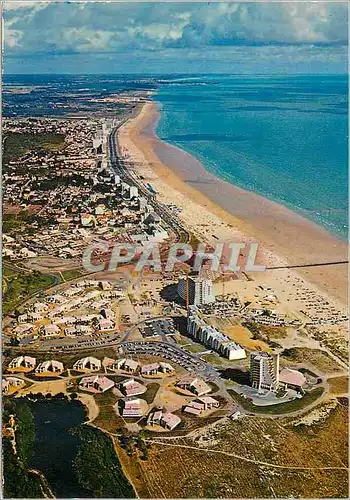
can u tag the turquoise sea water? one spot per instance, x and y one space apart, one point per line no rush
285 138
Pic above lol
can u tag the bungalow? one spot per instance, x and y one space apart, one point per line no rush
151 369
51 330
34 316
154 418
131 387
97 383
201 404
165 367
40 307
166 420
56 299
87 318
209 402
105 285
22 363
11 383
65 320
195 385
114 294
73 291
87 364
194 408
131 408
169 421
24 329
50 366
22 318
127 365
84 329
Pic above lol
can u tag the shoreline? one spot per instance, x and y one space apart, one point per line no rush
237 215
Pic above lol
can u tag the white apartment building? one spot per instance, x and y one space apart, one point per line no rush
199 290
211 337
264 370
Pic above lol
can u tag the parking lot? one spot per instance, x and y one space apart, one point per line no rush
185 359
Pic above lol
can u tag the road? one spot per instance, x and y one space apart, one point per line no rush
117 165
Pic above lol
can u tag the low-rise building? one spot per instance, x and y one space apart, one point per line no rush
127 365
165 419
96 383
22 364
131 408
156 368
50 330
131 387
197 406
11 384
87 364
291 378
195 385
51 366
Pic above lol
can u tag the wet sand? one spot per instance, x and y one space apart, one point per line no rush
212 206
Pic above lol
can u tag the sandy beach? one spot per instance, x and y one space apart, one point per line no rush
215 211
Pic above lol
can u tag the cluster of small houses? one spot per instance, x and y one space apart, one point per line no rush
70 299
100 202
131 406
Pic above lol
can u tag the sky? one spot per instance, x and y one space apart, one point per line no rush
166 37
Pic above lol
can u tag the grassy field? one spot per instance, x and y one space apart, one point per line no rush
184 468
107 418
213 359
195 348
20 286
287 407
72 274
151 392
16 145
338 385
320 360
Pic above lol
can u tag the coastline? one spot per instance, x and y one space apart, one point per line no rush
285 237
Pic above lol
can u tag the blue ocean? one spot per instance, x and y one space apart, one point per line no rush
285 138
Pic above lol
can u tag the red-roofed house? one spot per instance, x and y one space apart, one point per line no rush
292 378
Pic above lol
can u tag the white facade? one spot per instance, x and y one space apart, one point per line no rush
211 337
264 370
199 290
